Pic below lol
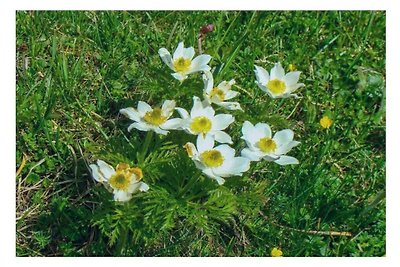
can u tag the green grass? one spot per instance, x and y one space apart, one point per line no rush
75 70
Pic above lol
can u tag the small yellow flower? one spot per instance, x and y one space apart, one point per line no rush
325 122
292 67
276 252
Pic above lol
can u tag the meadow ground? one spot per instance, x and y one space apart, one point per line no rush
75 70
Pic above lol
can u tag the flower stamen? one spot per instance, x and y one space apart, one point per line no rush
201 124
155 117
276 86
218 93
212 158
121 180
182 64
267 145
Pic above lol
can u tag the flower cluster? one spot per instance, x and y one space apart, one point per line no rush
217 161
123 182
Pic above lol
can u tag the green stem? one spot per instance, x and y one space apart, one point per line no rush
146 144
123 234
192 180
120 248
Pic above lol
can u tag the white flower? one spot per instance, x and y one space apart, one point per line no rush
219 94
148 119
261 145
124 181
216 162
182 62
202 122
277 84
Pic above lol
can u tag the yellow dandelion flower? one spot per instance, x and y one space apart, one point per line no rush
325 122
276 252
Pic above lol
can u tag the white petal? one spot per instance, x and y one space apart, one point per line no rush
183 112
264 89
283 137
143 187
96 174
188 53
270 157
286 160
277 72
235 166
294 95
143 108
191 150
222 121
208 112
179 51
240 165
284 95
198 163
251 155
123 196
251 134
179 76
208 81
219 180
166 57
230 105
204 143
230 94
291 78
172 124
160 131
247 128
286 147
105 169
226 86
206 102
168 107
264 129
197 107
140 126
293 88
200 64
210 174
131 113
133 187
227 152
262 75
222 137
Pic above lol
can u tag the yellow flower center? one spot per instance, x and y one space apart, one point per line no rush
124 175
266 145
200 124
212 158
217 92
325 122
276 86
182 64
155 117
